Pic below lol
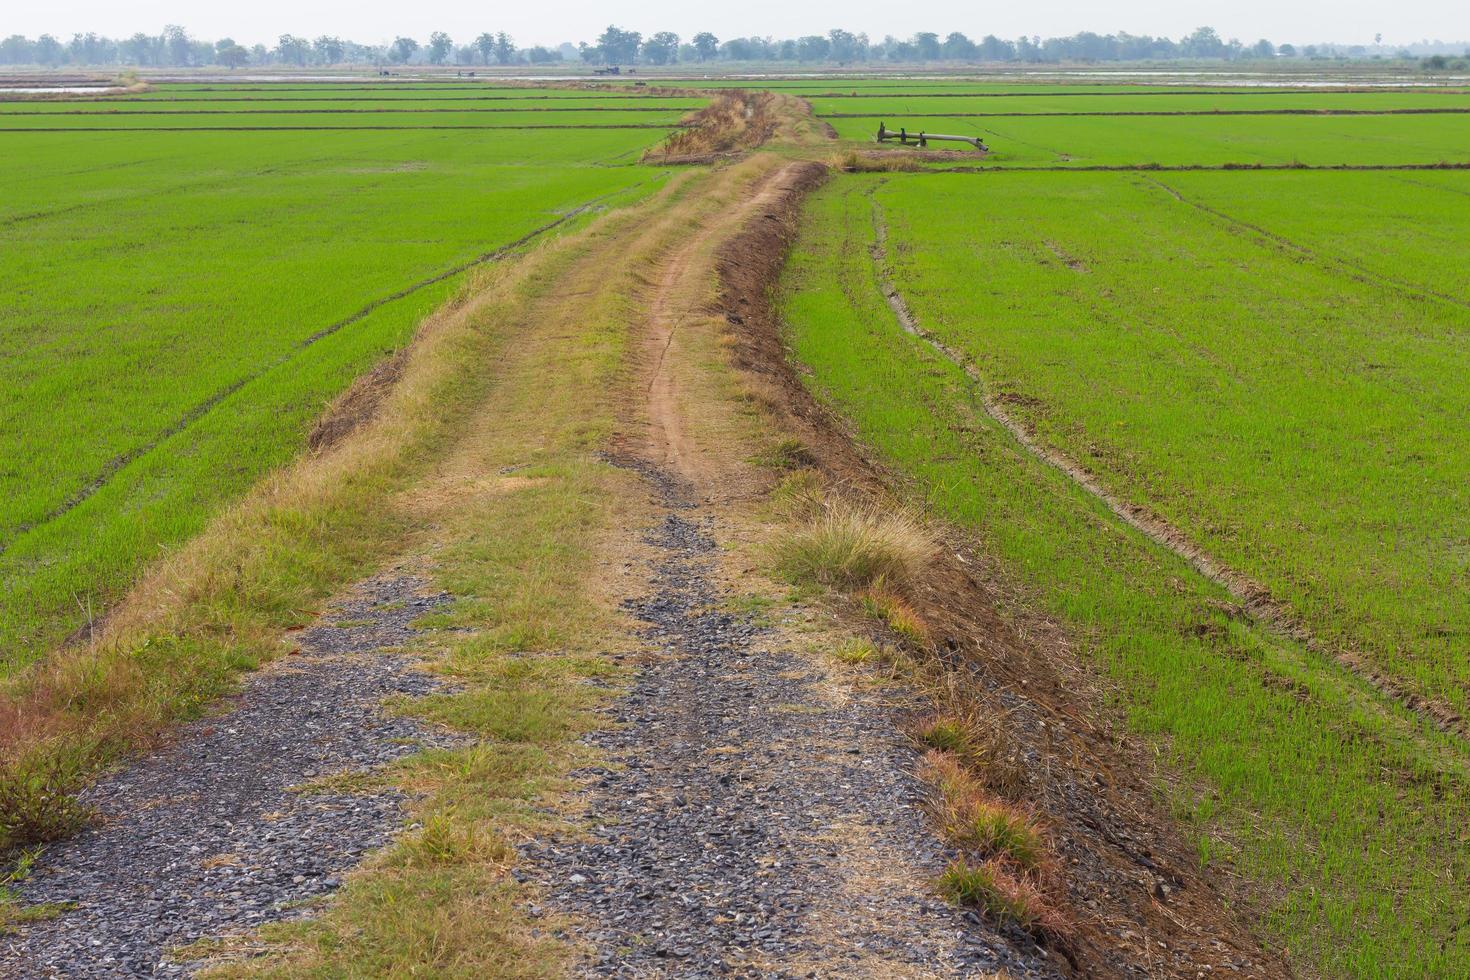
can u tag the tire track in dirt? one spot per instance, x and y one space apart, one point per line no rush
194 414
670 443
1254 599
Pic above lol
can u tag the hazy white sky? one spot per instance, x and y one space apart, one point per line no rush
553 21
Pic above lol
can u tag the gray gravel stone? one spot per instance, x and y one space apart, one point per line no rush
748 825
212 834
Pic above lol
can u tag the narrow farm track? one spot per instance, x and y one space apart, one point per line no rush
1254 598
669 441
756 815
750 819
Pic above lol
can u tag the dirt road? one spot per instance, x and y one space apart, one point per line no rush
681 781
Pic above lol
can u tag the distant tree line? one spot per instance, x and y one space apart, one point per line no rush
174 48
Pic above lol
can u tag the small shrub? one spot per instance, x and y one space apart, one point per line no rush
851 547
37 805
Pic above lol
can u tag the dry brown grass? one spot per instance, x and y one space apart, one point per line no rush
357 405
855 162
1005 898
978 822
882 602
977 738
1008 871
853 547
737 119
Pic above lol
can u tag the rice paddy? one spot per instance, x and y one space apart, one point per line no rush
188 283
1271 362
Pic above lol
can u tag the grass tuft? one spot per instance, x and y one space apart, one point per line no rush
882 603
798 496
786 455
846 546
982 826
858 651
945 735
978 745
1000 831
999 895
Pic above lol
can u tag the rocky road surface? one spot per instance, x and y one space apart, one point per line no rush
754 818
216 833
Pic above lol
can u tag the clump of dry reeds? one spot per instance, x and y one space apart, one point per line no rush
736 120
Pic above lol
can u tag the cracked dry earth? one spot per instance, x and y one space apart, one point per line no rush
755 818
217 833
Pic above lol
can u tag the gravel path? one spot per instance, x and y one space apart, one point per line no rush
208 836
757 820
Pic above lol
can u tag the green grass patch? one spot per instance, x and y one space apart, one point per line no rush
1346 809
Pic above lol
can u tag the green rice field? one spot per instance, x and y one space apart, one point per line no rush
1240 311
177 305
1273 362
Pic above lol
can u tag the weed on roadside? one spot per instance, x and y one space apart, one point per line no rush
847 546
